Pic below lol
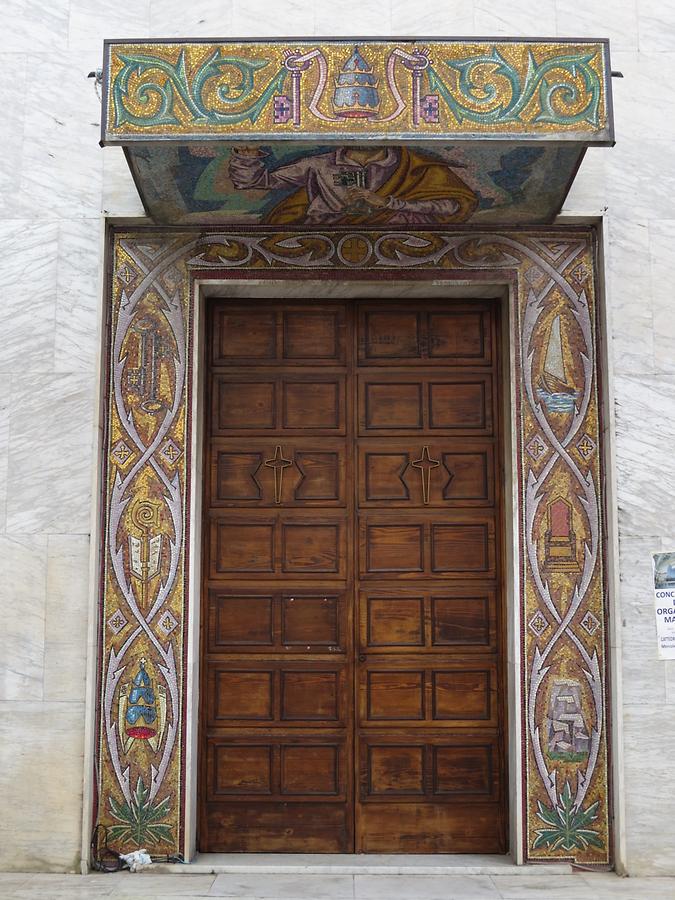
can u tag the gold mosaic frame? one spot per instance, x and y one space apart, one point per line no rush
144 615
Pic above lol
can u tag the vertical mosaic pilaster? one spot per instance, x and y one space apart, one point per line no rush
564 679
561 574
142 680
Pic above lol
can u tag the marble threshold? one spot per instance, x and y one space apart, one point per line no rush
356 864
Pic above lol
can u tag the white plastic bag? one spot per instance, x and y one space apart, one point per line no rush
137 860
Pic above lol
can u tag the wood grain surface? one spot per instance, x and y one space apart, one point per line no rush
352 645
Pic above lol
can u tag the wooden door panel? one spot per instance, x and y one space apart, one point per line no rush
460 336
456 405
277 404
449 404
277 707
453 619
236 770
237 694
305 825
244 404
311 547
464 770
311 770
352 694
308 403
430 794
301 545
239 620
393 770
458 544
430 758
392 547
288 792
394 623
463 548
243 548
393 406
450 768
277 769
314 621
268 335
463 619
309 694
276 693
430 827
251 472
424 693
248 620
450 473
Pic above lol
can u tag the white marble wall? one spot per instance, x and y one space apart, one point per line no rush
55 183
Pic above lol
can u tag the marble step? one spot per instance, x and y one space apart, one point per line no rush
356 864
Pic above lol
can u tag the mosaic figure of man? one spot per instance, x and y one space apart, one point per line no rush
358 185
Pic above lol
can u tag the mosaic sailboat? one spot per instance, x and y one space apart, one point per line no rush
554 389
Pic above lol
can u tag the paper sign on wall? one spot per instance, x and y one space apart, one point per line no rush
664 603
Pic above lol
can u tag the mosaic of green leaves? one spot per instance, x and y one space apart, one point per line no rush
140 821
567 827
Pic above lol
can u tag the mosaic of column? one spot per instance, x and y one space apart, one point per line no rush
144 616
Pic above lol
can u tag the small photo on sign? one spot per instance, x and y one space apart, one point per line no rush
664 570
664 603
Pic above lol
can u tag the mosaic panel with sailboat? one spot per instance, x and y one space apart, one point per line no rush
555 388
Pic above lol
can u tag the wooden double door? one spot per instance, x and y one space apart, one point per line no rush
352 686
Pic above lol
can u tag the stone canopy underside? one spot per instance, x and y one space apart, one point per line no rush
308 133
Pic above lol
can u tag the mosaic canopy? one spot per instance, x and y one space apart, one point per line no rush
367 132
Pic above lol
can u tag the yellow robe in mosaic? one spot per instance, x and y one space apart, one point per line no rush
416 177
